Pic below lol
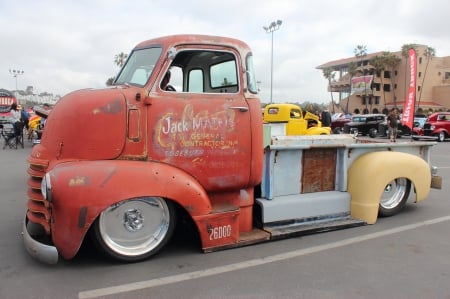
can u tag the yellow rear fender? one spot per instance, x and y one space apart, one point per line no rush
369 175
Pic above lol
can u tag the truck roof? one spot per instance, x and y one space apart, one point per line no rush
186 39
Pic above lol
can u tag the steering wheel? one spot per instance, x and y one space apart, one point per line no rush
170 88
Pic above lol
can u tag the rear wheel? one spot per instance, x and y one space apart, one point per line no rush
134 230
373 133
394 197
337 130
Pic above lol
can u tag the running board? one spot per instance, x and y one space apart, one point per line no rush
281 231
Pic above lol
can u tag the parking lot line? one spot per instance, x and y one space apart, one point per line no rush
130 287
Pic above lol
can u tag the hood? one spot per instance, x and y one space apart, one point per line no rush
86 124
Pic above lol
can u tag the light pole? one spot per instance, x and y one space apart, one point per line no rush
274 26
15 74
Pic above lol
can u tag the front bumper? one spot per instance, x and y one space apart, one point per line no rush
42 252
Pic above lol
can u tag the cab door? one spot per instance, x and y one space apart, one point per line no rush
203 127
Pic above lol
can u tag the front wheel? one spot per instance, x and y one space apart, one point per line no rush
134 230
394 197
441 136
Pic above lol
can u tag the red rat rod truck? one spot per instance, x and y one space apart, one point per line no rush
134 160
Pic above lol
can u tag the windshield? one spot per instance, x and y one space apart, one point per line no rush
139 67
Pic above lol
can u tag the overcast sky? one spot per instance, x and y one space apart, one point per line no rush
67 45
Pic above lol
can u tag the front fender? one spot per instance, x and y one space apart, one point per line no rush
437 131
318 131
82 190
369 175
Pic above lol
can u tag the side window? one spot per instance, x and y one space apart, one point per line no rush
272 111
223 75
295 113
205 71
195 81
176 78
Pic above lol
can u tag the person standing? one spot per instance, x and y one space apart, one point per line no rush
25 116
326 118
392 121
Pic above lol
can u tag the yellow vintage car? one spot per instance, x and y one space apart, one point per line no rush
295 121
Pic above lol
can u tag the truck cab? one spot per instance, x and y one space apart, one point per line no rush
196 149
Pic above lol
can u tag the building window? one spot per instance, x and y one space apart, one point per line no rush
387 74
420 74
377 101
420 60
395 86
447 75
387 87
363 100
418 88
377 86
396 73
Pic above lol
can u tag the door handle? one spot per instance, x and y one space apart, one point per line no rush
240 108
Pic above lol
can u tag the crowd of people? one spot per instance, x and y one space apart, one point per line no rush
22 118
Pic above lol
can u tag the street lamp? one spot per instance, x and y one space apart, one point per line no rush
274 26
15 74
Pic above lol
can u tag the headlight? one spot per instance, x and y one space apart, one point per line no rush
432 127
46 187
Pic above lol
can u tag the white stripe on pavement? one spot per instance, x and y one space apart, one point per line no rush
250 263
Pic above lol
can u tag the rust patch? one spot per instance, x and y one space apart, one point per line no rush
82 217
78 181
113 107
319 170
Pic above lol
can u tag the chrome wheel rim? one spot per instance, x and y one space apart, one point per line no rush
393 193
135 227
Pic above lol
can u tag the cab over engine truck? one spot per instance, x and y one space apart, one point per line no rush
126 164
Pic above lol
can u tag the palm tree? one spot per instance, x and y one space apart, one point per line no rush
379 65
110 81
392 61
351 70
429 53
360 52
120 59
329 74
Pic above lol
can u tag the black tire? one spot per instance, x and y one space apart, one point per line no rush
373 133
134 230
394 197
337 130
441 136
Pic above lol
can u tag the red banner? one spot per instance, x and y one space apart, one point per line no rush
408 108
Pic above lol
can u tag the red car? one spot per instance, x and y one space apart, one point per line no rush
337 123
437 126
